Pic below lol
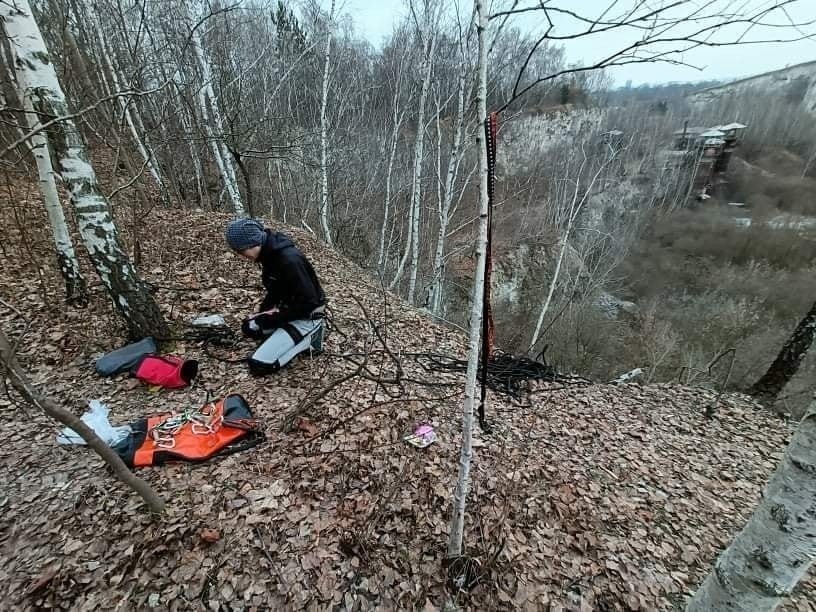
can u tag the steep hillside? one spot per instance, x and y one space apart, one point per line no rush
584 497
797 83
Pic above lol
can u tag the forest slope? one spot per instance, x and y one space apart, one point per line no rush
610 497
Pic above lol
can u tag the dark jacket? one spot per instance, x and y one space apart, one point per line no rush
290 281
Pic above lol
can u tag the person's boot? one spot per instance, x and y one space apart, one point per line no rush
317 339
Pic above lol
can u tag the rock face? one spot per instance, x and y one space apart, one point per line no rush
521 274
795 83
525 140
518 276
613 307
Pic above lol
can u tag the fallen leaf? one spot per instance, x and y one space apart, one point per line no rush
308 426
42 580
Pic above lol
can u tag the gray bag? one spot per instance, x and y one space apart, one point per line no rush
122 359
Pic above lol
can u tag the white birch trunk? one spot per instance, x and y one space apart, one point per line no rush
280 188
416 184
35 73
406 252
144 150
381 256
439 199
7 73
199 174
187 124
457 526
774 550
221 153
445 205
271 186
75 290
324 135
575 209
211 138
808 163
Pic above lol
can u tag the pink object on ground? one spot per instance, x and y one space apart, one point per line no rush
423 435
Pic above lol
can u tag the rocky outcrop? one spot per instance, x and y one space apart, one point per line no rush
794 83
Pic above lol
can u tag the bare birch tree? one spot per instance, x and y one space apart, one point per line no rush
416 183
211 112
35 73
128 111
324 134
787 362
580 194
457 525
67 263
75 290
445 201
775 549
428 39
397 117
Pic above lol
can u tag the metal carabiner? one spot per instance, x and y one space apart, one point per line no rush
164 441
203 429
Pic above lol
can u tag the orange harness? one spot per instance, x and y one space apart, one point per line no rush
217 428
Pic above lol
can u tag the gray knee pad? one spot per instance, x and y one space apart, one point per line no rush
285 343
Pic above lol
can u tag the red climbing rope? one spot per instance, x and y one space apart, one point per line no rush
491 128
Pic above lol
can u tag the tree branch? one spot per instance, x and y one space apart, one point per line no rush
24 387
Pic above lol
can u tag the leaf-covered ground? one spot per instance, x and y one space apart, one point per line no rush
584 497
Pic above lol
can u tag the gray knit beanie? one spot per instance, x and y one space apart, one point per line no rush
244 234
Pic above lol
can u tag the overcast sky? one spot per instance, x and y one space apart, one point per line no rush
375 18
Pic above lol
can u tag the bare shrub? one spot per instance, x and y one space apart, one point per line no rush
792 193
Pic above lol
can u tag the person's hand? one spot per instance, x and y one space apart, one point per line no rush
271 311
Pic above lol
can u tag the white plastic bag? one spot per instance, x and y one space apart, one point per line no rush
97 419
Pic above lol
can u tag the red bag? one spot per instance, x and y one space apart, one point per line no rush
166 371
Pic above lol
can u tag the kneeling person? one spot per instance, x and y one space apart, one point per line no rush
290 318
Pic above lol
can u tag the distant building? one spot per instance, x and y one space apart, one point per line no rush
706 151
731 137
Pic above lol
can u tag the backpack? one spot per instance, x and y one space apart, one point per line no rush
168 371
125 358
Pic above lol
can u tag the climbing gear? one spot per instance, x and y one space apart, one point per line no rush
491 128
284 344
168 371
124 358
206 420
505 373
217 428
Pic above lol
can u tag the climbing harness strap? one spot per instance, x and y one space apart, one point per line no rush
294 332
491 130
217 428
